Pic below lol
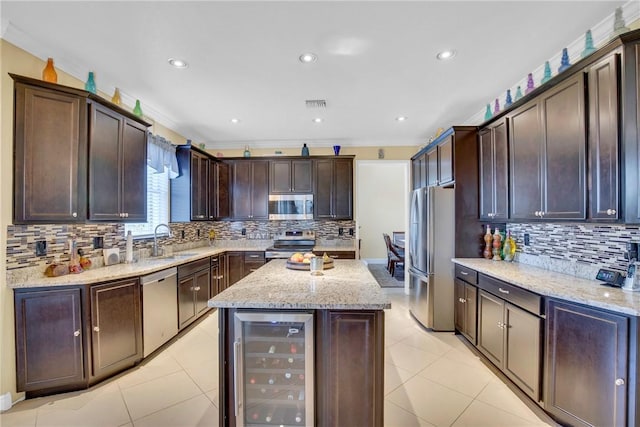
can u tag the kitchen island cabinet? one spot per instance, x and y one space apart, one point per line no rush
347 306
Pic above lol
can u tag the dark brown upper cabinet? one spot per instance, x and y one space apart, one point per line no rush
419 171
333 195
219 200
50 153
604 139
117 166
250 195
494 164
291 176
438 163
547 152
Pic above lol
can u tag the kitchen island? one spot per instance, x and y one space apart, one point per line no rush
344 352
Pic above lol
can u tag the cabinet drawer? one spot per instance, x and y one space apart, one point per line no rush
467 274
192 267
515 295
254 257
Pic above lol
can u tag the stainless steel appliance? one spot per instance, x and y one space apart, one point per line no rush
273 368
431 248
290 242
291 206
159 308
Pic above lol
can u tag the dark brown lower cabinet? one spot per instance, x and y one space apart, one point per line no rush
511 338
116 326
235 267
349 367
466 309
586 370
194 284
337 254
50 339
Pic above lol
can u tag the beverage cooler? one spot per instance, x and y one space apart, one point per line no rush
273 375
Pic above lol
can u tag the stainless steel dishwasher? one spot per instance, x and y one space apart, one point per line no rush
159 308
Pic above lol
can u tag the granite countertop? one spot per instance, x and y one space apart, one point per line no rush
29 278
557 285
349 285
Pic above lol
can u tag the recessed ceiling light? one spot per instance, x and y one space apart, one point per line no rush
317 120
308 57
446 54
401 118
234 121
178 63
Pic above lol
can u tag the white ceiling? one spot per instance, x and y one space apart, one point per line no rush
376 61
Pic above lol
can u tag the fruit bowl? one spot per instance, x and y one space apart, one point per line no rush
306 266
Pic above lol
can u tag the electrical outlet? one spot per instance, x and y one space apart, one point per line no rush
340 231
41 248
182 234
527 240
198 232
244 231
351 232
98 242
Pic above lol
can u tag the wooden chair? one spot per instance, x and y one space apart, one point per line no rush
395 255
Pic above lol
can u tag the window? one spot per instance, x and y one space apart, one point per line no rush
157 205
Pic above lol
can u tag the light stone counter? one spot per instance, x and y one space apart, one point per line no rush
30 278
557 285
349 285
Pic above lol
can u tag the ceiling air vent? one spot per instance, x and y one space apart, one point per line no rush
316 103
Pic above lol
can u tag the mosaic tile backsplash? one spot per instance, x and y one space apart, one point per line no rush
21 239
577 249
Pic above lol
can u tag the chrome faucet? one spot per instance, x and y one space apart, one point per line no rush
155 238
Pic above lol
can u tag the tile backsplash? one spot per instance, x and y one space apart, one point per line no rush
21 239
578 249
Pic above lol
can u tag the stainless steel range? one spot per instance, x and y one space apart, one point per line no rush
290 242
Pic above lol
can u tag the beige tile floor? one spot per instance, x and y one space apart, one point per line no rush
431 379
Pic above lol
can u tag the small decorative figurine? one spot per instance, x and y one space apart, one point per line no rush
487 113
547 73
508 101
530 85
137 110
619 25
588 45
496 107
518 93
564 62
90 85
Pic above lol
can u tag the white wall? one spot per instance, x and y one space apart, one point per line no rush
382 202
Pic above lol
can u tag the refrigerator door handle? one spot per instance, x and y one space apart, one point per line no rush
236 382
413 238
430 226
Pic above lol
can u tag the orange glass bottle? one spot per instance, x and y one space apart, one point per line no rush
49 73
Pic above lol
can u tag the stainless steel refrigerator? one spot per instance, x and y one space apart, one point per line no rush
431 247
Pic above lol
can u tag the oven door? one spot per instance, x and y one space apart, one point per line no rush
291 206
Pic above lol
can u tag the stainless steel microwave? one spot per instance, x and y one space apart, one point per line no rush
291 206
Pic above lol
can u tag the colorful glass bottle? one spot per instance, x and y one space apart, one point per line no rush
564 61
488 240
589 48
508 100
137 110
90 85
487 113
116 97
49 73
518 93
530 85
497 245
547 73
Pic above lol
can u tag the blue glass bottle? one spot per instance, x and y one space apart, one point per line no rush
90 85
305 150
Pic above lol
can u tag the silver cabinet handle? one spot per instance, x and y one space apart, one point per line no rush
74 214
236 382
76 333
504 291
501 325
96 329
620 381
197 288
464 273
611 212
254 256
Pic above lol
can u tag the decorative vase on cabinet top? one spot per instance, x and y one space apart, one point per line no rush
49 73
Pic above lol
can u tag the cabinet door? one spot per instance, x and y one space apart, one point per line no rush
526 153
252 262
199 186
223 202
445 161
280 176
49 125
604 139
235 263
343 189
186 300
471 313
241 199
301 176
490 327
49 343
259 189
523 345
215 277
350 351
432 167
564 166
586 365
116 327
202 291
459 309
416 171
104 163
323 203
494 190
134 172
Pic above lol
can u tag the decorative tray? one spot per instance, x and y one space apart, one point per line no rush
306 266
